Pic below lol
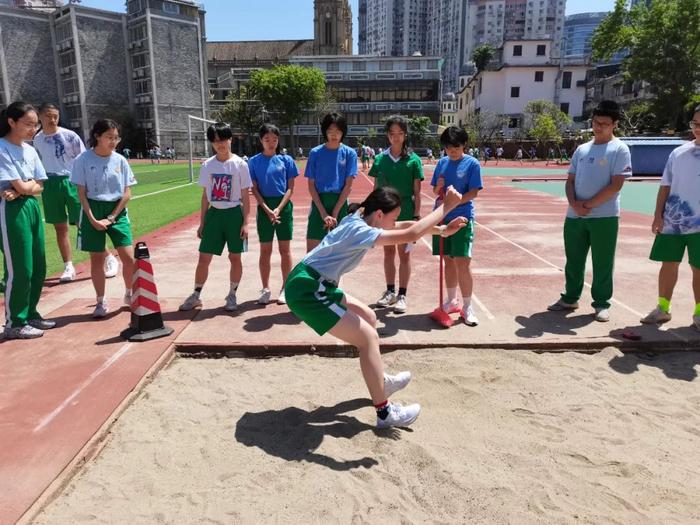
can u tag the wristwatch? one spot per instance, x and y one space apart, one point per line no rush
110 218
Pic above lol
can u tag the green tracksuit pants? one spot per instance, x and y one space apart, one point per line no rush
22 233
599 235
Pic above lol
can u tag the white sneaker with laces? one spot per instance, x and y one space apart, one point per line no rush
602 315
231 304
400 306
23 332
561 306
68 274
399 416
111 266
192 302
469 316
394 383
101 310
657 315
386 299
265 295
281 299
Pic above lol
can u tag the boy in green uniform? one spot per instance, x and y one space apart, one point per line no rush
597 172
403 171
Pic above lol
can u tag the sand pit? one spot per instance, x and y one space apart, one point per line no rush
504 437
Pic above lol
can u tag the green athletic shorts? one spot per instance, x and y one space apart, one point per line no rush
92 240
267 230
407 209
222 227
671 247
458 245
317 302
315 229
60 200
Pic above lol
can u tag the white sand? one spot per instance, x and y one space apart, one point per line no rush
504 437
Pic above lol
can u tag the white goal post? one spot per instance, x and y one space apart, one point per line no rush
190 118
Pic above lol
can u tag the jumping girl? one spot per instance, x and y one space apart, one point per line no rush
313 294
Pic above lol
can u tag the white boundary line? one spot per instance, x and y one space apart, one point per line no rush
161 191
50 417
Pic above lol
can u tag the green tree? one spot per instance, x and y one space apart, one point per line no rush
242 112
638 117
482 55
545 129
535 108
664 50
289 92
418 130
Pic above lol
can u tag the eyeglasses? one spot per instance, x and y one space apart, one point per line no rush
116 140
694 125
601 124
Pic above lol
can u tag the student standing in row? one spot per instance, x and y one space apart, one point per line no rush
104 179
273 176
330 170
313 294
21 227
677 224
223 219
597 172
463 173
58 148
403 171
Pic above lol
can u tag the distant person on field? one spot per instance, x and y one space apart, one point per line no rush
551 156
487 154
273 177
22 178
429 154
223 219
519 155
499 154
127 153
104 179
533 153
677 224
597 172
330 171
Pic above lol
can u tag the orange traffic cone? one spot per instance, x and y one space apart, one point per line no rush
146 317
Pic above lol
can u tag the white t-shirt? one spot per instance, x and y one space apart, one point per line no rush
223 181
58 151
682 173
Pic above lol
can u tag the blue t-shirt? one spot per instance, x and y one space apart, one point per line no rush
343 248
58 151
104 178
463 175
594 166
272 173
18 163
330 167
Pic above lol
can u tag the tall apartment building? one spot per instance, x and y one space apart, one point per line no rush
495 21
147 63
392 27
446 36
578 31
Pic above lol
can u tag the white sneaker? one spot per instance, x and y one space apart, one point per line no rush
561 306
399 416
281 299
400 305
101 310
393 384
386 299
192 302
469 316
602 315
231 304
41 323
265 295
111 266
452 307
68 274
127 299
657 315
23 332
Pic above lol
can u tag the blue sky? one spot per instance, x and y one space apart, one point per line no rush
286 19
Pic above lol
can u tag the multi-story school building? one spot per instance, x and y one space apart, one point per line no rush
147 64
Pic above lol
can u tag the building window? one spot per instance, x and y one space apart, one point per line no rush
142 86
518 51
513 123
358 66
139 60
173 9
566 80
327 32
564 106
386 65
539 76
413 65
332 66
514 92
